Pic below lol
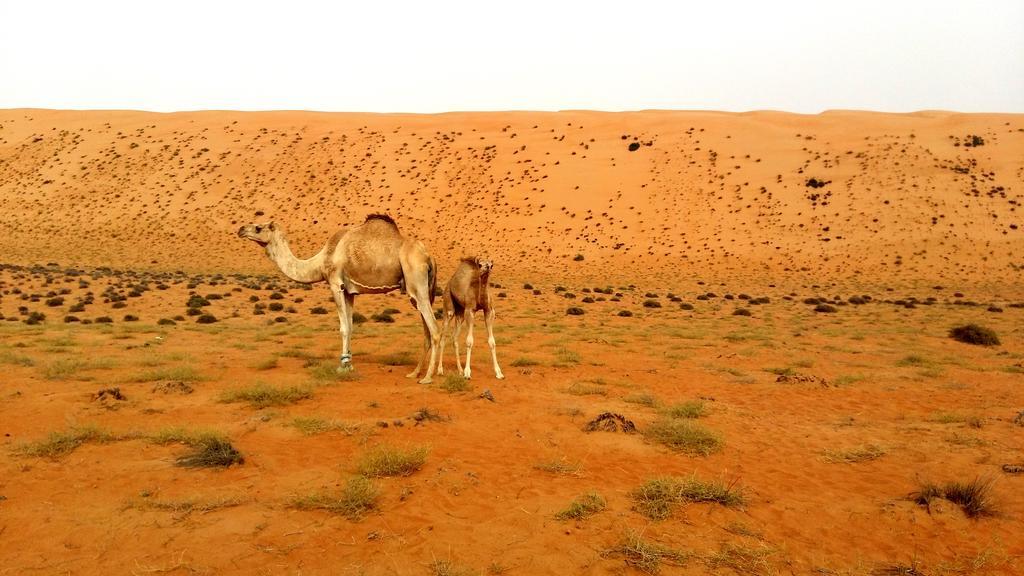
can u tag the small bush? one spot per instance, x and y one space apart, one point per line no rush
652 304
210 451
583 507
741 312
574 311
825 308
165 322
561 466
974 334
684 436
524 361
625 313
658 497
206 319
455 382
131 318
686 306
358 497
387 461
383 318
973 497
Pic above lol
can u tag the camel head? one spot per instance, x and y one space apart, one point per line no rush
261 234
485 265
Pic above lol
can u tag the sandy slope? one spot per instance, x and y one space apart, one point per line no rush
703 194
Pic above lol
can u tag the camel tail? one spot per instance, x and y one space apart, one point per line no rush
432 279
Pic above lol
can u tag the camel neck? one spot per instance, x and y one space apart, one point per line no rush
304 271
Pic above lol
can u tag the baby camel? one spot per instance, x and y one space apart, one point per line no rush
465 294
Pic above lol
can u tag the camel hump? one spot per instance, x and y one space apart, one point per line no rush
381 217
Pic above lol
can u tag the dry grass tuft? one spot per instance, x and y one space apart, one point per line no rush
863 453
658 497
356 499
583 507
647 556
389 461
684 436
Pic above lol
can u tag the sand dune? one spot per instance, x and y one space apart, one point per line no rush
664 195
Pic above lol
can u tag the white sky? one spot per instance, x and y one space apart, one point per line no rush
434 56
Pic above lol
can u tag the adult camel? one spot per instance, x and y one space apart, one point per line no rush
371 258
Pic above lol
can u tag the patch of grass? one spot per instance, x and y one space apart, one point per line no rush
786 371
862 453
913 360
268 364
524 361
848 379
642 399
691 409
449 568
175 373
311 425
13 359
188 505
58 444
647 556
356 499
684 436
383 461
64 368
742 559
560 466
583 507
263 395
454 382
327 371
210 451
564 356
974 334
658 497
974 497
972 420
586 389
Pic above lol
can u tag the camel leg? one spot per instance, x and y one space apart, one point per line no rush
469 342
423 355
445 329
455 342
345 304
432 332
489 322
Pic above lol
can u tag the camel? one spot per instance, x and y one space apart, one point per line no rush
370 258
465 294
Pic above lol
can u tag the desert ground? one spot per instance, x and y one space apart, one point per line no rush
725 339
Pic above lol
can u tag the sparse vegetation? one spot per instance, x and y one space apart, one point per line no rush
974 334
263 395
646 556
311 426
389 461
658 497
691 409
974 496
356 499
684 436
560 466
863 453
583 507
59 444
455 382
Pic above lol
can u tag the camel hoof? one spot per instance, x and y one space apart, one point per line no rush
413 374
440 370
466 373
499 376
426 380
